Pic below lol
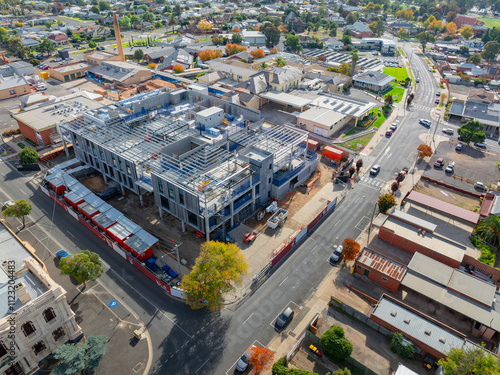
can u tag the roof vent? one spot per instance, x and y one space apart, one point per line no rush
394 313
427 332
407 320
442 340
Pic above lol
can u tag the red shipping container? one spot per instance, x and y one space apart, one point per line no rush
334 153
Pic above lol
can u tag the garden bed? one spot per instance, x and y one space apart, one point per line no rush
376 117
353 143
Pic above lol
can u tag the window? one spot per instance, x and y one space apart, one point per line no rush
12 92
164 202
3 349
49 314
170 188
181 196
129 171
384 279
160 186
39 347
114 161
269 179
28 328
192 218
58 333
270 166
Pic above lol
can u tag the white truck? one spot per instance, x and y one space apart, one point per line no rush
279 217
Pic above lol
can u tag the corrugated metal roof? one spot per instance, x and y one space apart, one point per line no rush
416 326
444 207
473 287
381 264
416 221
430 268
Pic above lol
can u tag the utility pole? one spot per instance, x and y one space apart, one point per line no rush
371 222
433 135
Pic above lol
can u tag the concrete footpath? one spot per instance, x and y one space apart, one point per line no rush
94 314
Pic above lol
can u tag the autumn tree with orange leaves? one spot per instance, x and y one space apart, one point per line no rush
236 30
350 249
209 54
260 359
424 151
257 54
232 49
178 68
273 51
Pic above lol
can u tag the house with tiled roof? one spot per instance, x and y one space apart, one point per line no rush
373 81
476 24
284 79
59 38
360 30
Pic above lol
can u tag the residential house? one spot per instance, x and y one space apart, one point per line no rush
475 23
254 37
59 38
337 19
443 66
120 72
232 72
360 30
256 84
405 25
373 81
177 57
13 86
294 23
283 79
334 44
29 42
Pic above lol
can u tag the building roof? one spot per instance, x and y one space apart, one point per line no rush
417 326
11 82
374 78
342 104
78 66
117 70
359 26
444 207
285 75
322 116
284 98
482 112
480 94
438 244
210 111
423 277
414 220
381 264
252 34
232 69
20 64
47 114
100 55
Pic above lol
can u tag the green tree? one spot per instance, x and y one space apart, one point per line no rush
35 62
424 37
272 34
377 27
488 230
92 44
177 10
138 54
293 42
84 266
385 203
48 24
95 9
81 358
263 65
472 361
467 32
125 22
148 17
279 62
134 19
345 68
336 346
403 34
104 5
345 371
216 271
464 50
28 155
398 346
491 50
346 39
472 131
354 60
237 38
46 46
351 18
388 100
19 209
475 58
4 35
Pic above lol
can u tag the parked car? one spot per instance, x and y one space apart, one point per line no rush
7 204
480 186
394 126
450 167
57 59
439 163
417 80
41 87
425 122
62 254
430 69
448 131
458 147
336 255
46 67
389 132
100 48
375 170
436 101
480 144
242 363
284 319
487 88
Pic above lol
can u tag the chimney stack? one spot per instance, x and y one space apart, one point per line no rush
118 38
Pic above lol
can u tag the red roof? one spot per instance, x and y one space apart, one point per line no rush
467 20
444 207
58 37
381 264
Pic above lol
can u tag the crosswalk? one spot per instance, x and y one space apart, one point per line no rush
422 107
373 183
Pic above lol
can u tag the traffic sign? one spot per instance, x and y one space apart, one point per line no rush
113 303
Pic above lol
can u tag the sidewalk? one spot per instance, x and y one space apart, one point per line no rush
126 355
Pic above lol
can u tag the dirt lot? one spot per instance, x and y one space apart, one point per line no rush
471 165
447 195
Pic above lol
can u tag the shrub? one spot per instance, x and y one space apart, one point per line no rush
281 368
22 145
335 344
35 62
488 254
400 348
28 155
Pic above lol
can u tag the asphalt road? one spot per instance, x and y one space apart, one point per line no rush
196 342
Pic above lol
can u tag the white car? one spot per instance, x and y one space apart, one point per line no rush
57 59
41 87
242 363
448 131
336 255
480 186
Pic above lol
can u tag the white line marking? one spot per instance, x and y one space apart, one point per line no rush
45 212
247 319
21 190
357 199
336 223
283 280
70 233
203 365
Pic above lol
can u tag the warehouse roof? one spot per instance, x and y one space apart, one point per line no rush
381 264
287 99
321 116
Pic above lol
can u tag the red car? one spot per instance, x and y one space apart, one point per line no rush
389 132
46 67
436 101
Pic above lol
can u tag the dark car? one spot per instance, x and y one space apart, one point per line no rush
284 319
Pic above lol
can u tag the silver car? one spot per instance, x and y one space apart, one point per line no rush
242 363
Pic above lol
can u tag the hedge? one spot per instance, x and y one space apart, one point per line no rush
281 368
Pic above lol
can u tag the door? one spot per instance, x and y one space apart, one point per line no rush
15 369
366 273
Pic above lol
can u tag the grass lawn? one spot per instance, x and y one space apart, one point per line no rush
488 22
397 92
353 143
379 121
399 73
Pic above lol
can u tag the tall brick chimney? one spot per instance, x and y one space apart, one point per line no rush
118 38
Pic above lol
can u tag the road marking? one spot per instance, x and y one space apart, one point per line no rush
336 223
45 212
247 318
359 222
357 199
283 280
21 190
70 233
203 365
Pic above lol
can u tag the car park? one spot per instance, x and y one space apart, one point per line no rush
375 170
284 319
480 186
450 167
480 144
448 131
336 255
425 122
242 364
439 163
458 147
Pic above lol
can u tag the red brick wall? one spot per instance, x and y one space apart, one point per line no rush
376 276
412 247
425 348
45 136
27 132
